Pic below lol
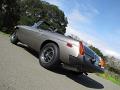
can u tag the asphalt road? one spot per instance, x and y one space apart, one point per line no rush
20 70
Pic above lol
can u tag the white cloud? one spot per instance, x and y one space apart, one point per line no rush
83 36
76 16
112 53
88 9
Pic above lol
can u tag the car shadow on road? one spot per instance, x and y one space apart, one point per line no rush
81 79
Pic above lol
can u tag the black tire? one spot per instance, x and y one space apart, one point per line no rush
13 38
49 56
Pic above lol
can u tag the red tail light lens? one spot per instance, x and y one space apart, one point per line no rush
69 44
81 49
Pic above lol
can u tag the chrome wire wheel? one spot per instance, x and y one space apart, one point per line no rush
47 55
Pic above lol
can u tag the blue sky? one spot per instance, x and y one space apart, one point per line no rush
94 21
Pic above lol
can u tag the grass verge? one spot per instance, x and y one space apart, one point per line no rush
4 33
112 78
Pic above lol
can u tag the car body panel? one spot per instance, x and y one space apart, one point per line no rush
34 38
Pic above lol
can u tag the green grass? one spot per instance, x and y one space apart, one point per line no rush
114 79
4 33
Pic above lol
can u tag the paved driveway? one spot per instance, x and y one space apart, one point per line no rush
20 70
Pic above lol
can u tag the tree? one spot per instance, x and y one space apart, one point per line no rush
1 2
96 50
9 14
35 10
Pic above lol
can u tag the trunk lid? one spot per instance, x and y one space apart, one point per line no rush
91 56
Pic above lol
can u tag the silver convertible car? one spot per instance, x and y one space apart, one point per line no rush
55 49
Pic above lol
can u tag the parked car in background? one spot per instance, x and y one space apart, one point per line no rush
55 49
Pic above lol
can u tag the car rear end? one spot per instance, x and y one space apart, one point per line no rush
87 60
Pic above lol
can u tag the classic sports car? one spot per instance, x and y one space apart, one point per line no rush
55 49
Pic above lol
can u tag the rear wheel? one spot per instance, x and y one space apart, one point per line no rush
13 38
49 56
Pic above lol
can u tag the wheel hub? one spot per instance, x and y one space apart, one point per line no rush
47 55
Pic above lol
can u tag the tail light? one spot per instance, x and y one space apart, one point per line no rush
69 44
81 49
